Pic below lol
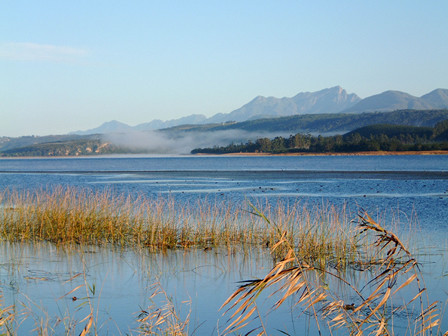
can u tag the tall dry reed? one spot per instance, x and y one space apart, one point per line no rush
69 216
381 259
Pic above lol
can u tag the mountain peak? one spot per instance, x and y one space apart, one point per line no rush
113 123
393 100
438 98
336 88
330 100
112 126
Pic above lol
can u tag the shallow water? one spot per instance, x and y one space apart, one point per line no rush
410 191
42 278
410 185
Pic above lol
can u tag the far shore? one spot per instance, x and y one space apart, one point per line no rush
377 153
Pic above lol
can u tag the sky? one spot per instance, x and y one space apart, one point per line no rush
73 65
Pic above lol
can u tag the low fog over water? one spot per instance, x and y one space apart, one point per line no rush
158 142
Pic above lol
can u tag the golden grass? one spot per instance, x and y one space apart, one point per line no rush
314 250
70 216
389 267
164 319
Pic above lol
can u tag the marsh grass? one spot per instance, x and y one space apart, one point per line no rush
70 216
162 318
387 268
344 274
7 315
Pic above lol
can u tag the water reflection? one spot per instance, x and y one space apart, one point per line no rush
41 278
411 193
50 284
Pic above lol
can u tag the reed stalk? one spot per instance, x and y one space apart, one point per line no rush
71 216
323 290
304 241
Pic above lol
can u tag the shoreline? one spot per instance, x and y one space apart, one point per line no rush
377 153
367 153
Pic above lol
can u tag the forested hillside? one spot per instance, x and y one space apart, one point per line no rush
398 130
383 137
325 123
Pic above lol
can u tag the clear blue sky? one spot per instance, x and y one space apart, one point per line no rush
70 65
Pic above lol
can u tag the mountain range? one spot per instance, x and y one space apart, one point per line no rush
326 101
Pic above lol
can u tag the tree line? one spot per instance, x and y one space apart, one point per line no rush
370 138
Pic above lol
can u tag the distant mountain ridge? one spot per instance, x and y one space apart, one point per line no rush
334 123
112 126
182 139
397 100
326 101
332 100
158 124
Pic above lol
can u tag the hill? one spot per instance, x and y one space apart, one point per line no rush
395 100
182 139
365 139
392 131
324 123
107 127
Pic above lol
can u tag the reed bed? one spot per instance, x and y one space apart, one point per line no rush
71 216
318 256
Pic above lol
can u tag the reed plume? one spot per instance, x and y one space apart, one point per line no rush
324 291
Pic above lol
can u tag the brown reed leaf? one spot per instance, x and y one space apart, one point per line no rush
86 329
73 290
407 282
238 322
9 312
366 302
386 237
74 277
381 327
315 300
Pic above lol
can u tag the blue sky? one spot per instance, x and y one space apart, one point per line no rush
70 65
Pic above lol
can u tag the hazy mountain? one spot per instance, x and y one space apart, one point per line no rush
158 124
331 100
397 100
327 101
8 143
334 123
437 98
113 126
182 139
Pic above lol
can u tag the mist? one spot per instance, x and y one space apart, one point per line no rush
157 142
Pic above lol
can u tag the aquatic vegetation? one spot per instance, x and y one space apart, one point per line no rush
70 216
345 274
324 292
162 319
6 315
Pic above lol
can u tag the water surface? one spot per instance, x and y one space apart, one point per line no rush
410 191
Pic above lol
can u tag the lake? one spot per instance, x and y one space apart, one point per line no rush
408 191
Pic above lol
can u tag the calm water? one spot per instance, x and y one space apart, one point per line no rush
400 188
411 185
